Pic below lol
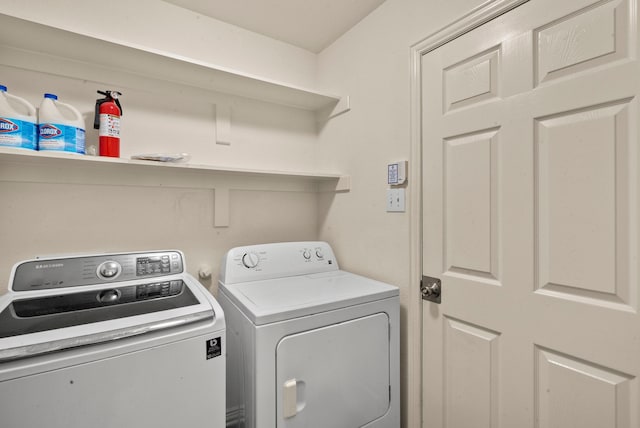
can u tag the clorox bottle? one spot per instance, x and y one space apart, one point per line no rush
17 122
61 126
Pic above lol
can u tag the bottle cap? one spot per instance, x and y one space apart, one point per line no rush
52 96
3 88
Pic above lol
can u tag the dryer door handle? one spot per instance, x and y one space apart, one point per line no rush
290 398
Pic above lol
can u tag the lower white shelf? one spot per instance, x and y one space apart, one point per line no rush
19 165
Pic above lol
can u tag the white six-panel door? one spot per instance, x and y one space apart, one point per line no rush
531 209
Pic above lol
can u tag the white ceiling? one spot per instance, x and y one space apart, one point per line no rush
310 24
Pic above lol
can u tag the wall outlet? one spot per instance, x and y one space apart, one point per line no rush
395 200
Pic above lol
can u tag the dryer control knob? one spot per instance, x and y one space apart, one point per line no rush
250 260
306 254
319 254
109 269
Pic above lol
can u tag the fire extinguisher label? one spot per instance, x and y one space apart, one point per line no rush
109 126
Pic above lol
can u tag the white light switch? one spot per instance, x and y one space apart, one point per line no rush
395 200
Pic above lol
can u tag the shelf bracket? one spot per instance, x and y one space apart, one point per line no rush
221 207
343 106
223 124
343 184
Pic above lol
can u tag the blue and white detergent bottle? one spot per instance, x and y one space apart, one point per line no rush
17 122
61 127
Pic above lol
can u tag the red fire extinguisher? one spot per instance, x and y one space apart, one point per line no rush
107 121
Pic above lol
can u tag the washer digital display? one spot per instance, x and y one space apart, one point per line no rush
153 265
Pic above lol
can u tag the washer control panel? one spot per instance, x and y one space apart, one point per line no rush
42 274
259 262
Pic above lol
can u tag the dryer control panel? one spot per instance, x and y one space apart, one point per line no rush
266 261
50 273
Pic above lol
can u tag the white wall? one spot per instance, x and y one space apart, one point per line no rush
53 219
42 214
169 118
162 26
371 63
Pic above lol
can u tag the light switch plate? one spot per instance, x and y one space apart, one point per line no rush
395 200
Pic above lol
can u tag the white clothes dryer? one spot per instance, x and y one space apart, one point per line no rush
110 340
309 345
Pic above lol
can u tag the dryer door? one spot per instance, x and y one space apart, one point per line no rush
334 376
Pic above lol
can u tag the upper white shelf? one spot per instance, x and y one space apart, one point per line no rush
43 48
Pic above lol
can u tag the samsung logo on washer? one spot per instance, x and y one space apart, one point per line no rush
49 265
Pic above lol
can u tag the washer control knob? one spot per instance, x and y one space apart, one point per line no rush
319 254
306 254
109 269
250 260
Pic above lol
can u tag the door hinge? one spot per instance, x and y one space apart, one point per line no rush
431 289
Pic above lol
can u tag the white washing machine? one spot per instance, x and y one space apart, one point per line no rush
309 345
110 341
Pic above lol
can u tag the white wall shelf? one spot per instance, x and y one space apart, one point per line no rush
18 165
42 48
39 159
32 46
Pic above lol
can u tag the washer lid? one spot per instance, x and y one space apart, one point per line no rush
34 323
280 299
